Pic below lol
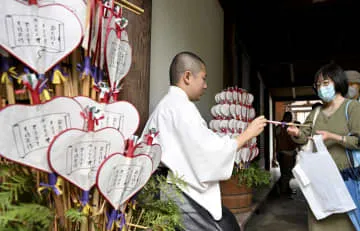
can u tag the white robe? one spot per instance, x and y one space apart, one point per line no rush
191 150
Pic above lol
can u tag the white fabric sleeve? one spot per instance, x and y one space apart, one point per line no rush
210 156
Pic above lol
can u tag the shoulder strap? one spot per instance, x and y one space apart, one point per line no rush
317 110
349 155
346 110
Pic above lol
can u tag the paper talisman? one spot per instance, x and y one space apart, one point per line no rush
121 115
39 35
118 56
78 7
76 154
27 130
120 177
153 150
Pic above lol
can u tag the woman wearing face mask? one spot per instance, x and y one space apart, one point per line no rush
331 86
353 78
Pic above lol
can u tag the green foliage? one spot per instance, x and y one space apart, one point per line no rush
253 176
21 207
26 217
159 214
75 215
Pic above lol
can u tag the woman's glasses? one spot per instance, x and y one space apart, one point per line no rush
325 82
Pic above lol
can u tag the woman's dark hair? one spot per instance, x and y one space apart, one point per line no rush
287 117
336 74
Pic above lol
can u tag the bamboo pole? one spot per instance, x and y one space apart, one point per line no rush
59 89
10 94
95 203
85 86
64 198
68 87
137 226
93 91
75 58
67 198
288 124
140 216
59 208
103 216
68 83
85 225
129 6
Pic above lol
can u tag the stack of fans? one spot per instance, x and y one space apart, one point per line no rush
232 113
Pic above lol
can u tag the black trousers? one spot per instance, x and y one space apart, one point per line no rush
196 218
287 160
228 221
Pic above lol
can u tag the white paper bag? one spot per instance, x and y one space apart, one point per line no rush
321 183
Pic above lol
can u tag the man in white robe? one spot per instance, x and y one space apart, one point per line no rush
194 152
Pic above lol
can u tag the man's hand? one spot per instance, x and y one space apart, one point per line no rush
256 126
253 130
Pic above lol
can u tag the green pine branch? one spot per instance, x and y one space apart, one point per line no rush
75 216
159 214
29 217
21 207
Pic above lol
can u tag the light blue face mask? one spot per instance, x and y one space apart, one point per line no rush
327 93
352 92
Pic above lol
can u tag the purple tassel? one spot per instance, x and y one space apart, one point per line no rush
85 68
85 198
52 183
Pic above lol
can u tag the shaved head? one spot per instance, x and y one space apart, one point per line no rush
184 61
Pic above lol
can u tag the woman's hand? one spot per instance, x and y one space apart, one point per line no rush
293 131
328 135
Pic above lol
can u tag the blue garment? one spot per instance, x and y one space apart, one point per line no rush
354 189
351 178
